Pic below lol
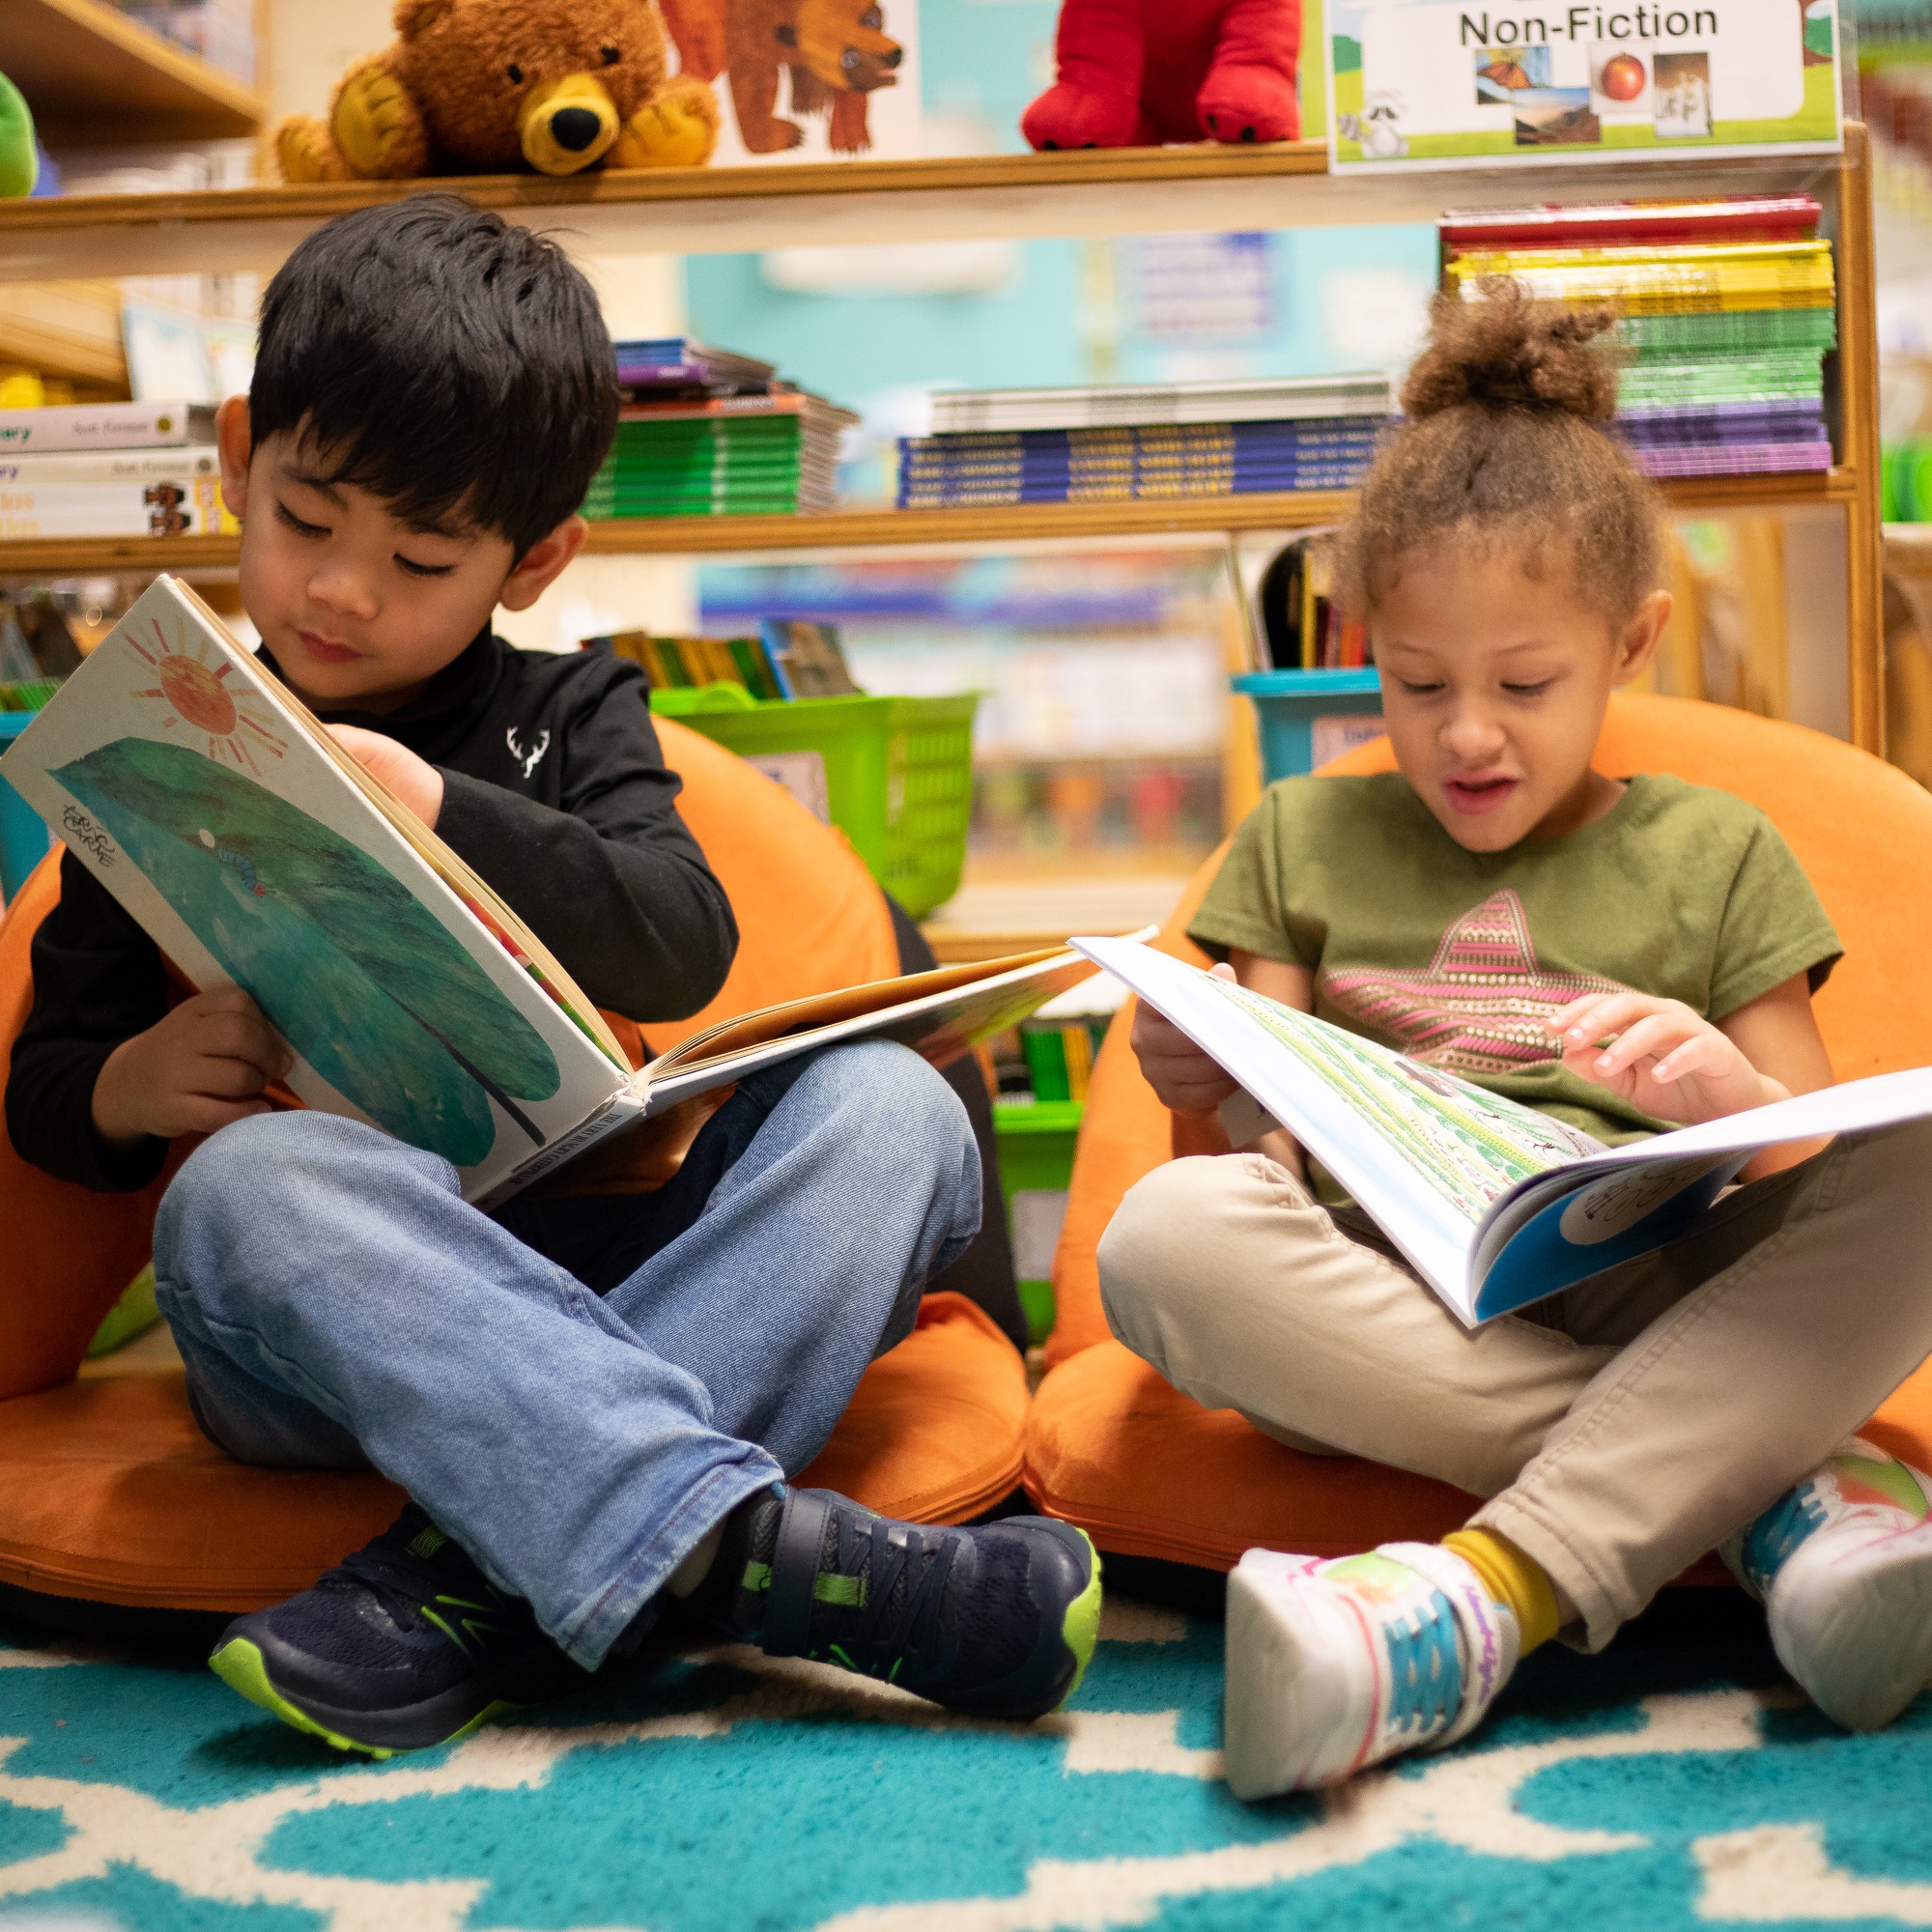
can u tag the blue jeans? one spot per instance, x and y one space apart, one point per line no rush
577 1391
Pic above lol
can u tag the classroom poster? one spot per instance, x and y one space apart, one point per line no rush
1442 83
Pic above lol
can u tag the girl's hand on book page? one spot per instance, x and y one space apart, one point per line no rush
196 1070
1661 1057
415 781
1186 1080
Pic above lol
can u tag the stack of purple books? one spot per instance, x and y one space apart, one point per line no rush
678 369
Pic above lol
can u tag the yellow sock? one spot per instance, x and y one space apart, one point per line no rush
1513 1579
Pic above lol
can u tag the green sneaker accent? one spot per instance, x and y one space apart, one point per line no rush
834 1650
757 1576
1890 1478
426 1542
847 1590
238 1664
430 1617
1080 1628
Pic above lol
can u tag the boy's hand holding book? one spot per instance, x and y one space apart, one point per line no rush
416 781
202 1067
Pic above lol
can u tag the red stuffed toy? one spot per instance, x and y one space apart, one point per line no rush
1134 73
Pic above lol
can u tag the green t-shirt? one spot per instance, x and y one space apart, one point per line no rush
1455 957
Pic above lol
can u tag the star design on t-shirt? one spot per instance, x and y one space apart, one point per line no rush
1481 1005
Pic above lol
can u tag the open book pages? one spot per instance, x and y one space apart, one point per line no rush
636 1142
256 853
1495 1204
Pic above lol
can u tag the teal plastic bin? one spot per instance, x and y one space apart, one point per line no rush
23 832
1308 716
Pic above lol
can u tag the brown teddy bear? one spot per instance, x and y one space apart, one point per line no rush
490 86
837 50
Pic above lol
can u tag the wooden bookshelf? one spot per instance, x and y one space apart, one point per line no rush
1206 518
92 73
66 328
1207 188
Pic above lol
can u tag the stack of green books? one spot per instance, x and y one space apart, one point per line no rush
770 455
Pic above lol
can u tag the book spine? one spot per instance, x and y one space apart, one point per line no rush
1735 459
1076 1046
1728 334
193 507
754 672
619 1111
1045 1050
1646 256
105 426
93 466
1314 433
771 643
960 495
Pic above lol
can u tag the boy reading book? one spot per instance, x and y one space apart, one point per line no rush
591 1400
1617 953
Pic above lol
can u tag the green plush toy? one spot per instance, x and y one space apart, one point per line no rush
19 158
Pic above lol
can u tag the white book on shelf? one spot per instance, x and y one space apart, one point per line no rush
107 426
176 504
78 467
962 412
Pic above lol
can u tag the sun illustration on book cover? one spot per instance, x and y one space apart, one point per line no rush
197 695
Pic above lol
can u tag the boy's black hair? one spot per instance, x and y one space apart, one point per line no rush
446 361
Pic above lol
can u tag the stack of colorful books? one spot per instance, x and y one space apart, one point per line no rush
110 470
1096 445
1725 314
788 659
705 434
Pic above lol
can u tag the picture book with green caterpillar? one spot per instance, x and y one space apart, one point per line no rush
257 853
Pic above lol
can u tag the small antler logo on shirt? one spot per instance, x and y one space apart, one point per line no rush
530 759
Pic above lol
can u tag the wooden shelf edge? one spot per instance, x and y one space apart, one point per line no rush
888 529
322 201
1205 187
186 97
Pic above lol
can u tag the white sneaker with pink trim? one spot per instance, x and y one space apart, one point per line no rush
1333 1666
1843 1566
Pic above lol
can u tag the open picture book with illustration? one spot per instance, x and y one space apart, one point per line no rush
1495 1204
257 853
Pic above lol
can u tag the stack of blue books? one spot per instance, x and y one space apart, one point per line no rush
1009 446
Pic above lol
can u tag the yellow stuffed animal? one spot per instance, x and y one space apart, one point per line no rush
492 86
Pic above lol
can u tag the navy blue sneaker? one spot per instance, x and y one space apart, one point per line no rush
997 1621
403 1645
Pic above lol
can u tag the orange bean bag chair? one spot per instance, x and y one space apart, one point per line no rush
109 1492
1149 1473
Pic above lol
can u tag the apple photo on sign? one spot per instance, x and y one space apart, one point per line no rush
1503 72
1619 82
1555 117
1681 93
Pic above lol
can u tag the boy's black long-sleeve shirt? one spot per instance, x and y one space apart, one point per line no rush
554 791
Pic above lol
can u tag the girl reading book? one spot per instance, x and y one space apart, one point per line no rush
1621 952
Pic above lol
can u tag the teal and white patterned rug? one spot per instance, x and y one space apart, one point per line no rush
1665 1784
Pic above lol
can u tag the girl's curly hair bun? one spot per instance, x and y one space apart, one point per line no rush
1507 440
1507 351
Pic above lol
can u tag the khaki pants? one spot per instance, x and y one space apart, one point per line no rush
1621 1429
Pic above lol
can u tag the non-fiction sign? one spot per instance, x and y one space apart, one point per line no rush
1436 83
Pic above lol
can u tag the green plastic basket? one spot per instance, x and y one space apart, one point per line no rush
899 772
